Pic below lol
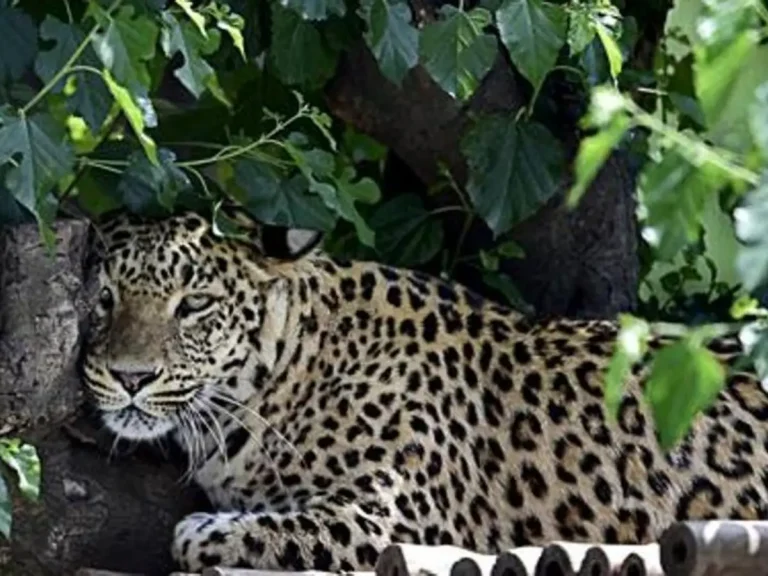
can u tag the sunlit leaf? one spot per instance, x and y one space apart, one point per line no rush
612 50
675 194
750 219
581 30
197 19
133 114
22 458
631 344
758 118
727 79
674 405
593 152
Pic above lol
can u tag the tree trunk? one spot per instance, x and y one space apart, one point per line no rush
114 515
578 263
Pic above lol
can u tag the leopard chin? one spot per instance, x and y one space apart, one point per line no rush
132 423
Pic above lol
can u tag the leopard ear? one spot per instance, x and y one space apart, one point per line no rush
273 241
289 243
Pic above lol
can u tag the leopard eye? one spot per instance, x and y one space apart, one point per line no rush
106 298
193 303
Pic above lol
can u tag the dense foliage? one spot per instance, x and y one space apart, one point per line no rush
157 105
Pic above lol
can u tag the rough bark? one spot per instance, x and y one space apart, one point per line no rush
111 515
579 263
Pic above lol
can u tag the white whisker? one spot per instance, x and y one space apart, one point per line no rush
251 433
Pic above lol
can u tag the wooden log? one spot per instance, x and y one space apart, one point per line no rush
432 559
718 547
391 562
594 563
554 561
633 565
465 567
508 564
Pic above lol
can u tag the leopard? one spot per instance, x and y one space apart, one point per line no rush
332 407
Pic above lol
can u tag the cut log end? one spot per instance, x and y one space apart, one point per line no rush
595 563
554 561
633 565
466 567
508 565
391 562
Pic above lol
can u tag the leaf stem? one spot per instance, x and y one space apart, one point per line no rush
68 8
64 70
447 210
701 151
228 153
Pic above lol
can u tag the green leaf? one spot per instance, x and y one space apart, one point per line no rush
593 152
750 219
298 51
507 288
361 147
631 345
233 25
316 9
754 339
391 37
281 202
514 169
91 99
132 112
406 234
727 79
150 189
533 32
685 379
197 19
758 119
6 509
196 75
612 50
489 261
38 145
364 190
581 30
316 166
19 35
126 46
23 459
675 194
455 51
510 249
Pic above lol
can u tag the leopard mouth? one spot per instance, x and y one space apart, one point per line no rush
133 423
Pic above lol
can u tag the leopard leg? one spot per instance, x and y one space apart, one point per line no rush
321 537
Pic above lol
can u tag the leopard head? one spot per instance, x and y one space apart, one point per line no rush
179 318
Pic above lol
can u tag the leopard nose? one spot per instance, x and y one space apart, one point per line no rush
133 381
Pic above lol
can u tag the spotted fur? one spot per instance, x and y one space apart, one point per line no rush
331 408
